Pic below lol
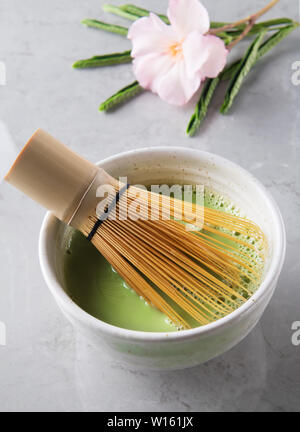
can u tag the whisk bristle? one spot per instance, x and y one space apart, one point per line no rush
193 277
194 263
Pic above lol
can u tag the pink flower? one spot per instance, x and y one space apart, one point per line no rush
173 60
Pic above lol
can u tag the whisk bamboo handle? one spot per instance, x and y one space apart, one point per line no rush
56 177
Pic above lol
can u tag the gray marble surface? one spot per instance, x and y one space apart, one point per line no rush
45 365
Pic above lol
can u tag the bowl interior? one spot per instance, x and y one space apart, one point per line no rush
186 166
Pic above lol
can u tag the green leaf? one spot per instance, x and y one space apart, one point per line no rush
120 12
202 106
242 71
121 96
104 60
104 26
228 72
272 23
262 25
140 12
276 39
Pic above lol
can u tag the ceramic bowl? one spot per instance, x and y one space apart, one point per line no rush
173 165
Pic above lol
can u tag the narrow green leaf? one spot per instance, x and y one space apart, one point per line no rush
120 12
228 72
273 22
276 39
121 96
202 106
262 25
140 12
106 27
257 30
242 71
104 60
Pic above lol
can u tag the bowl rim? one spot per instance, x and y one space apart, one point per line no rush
66 303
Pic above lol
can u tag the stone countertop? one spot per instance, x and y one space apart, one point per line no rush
45 364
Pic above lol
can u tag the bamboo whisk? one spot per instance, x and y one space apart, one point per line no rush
193 277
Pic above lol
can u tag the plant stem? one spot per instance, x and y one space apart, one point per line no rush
104 26
266 9
241 36
250 18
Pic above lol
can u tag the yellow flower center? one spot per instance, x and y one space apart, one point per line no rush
175 49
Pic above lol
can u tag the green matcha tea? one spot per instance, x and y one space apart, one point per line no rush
94 285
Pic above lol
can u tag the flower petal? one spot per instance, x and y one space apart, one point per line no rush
195 52
150 34
188 15
204 54
175 86
149 69
217 56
